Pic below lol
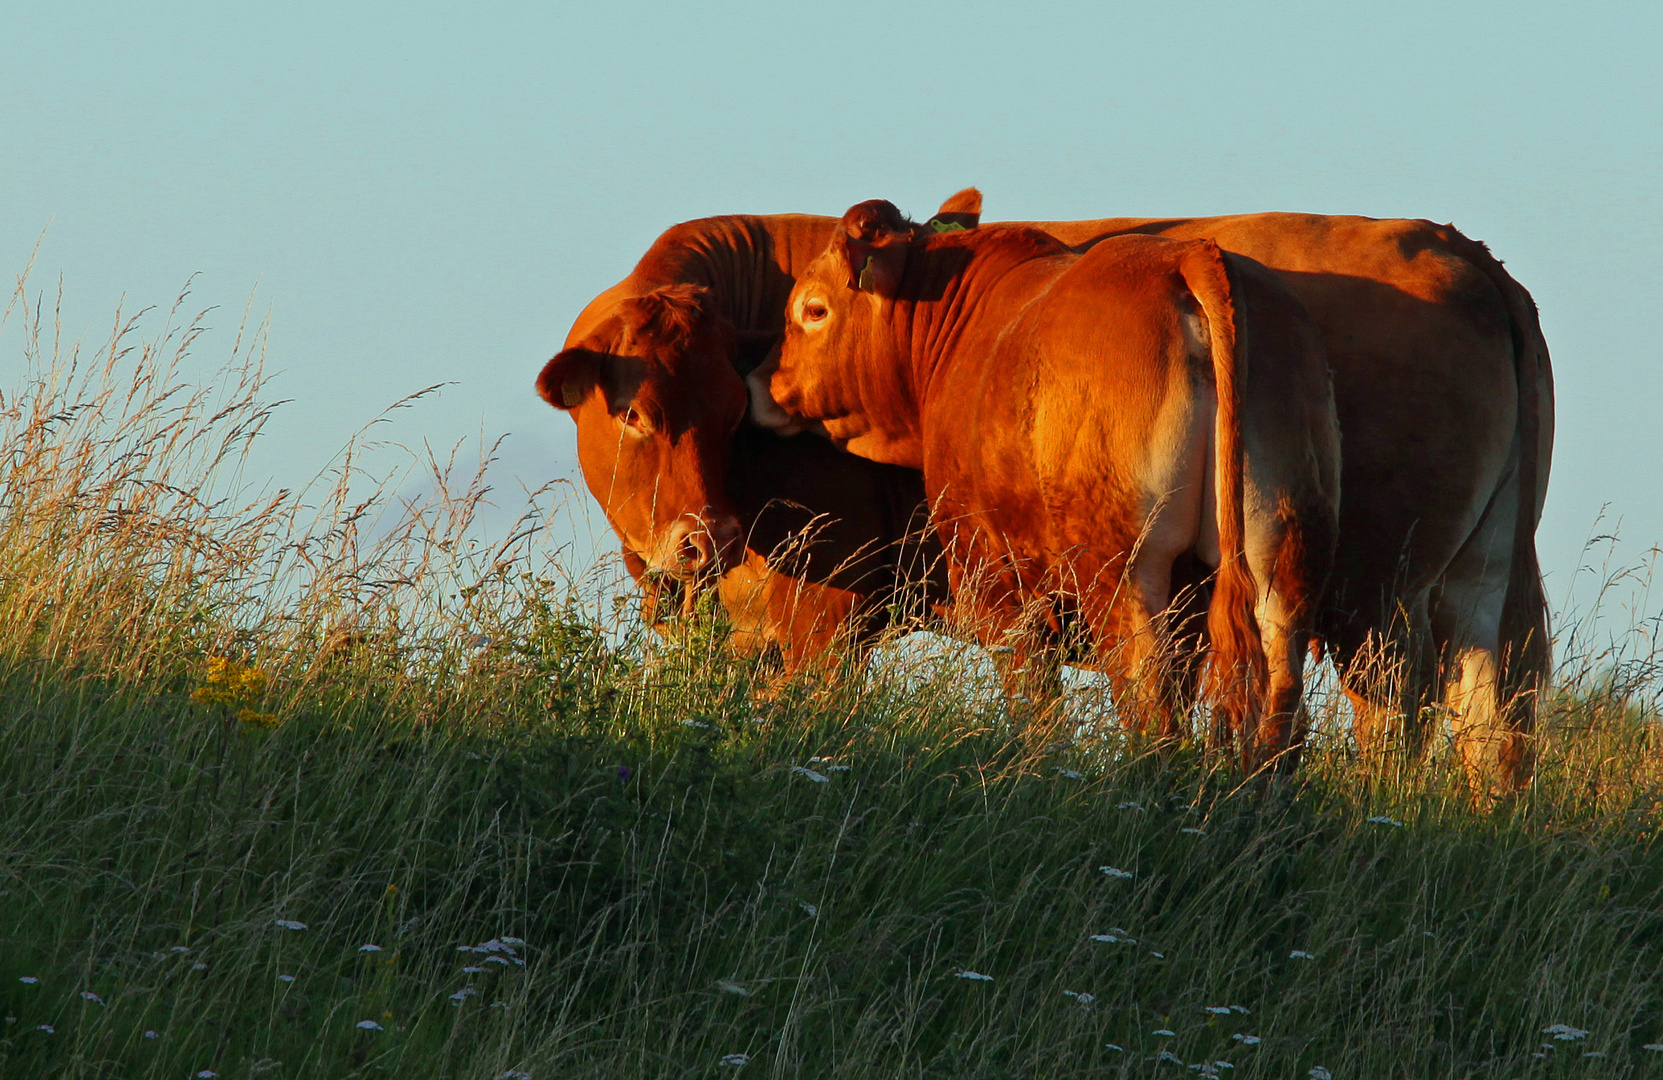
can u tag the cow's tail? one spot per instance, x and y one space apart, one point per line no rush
1526 656
1236 668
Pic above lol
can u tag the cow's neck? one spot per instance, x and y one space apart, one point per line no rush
960 310
748 262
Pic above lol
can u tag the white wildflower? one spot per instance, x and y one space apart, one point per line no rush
1319 1073
48 1028
1192 831
1130 806
818 778
1299 954
1596 1054
285 978
199 967
518 943
286 924
733 988
471 970
1157 955
1565 1033
838 768
1115 872
497 960
151 1035
27 980
1112 1046
370 1025
1239 1009
182 948
700 724
1083 999
1245 1040
1070 774
967 974
1656 1048
462 995
206 1074
1114 938
369 948
812 911
1168 1055
88 995
1382 819
736 1059
515 1074
1164 1033
1217 1010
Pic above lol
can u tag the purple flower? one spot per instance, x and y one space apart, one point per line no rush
623 773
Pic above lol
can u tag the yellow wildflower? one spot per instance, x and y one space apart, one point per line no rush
235 685
257 719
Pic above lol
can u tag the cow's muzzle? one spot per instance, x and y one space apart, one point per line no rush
696 546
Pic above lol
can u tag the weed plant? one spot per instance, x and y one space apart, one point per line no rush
314 784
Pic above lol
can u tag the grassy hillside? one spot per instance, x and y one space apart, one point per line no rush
312 786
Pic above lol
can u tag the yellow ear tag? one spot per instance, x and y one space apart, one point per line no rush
571 393
868 280
937 225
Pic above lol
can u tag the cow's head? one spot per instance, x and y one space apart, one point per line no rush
832 340
656 400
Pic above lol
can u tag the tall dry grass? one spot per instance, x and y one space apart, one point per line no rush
245 733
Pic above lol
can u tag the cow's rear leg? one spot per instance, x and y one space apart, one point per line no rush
1285 629
1386 673
1491 734
1289 553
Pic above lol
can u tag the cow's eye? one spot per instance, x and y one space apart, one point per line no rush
814 311
632 419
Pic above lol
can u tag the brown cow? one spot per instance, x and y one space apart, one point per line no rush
1438 359
650 372
1444 390
1086 424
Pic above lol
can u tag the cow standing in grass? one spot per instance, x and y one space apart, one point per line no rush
1443 388
1093 430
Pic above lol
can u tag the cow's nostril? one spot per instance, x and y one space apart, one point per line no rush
696 549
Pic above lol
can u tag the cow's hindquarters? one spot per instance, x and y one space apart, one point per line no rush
1286 487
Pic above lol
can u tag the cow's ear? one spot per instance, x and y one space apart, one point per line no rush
670 316
568 379
874 238
961 211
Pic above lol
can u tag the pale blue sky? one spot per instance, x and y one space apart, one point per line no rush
429 193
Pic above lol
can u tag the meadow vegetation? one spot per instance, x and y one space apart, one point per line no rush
319 783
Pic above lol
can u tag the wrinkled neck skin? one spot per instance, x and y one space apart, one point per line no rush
748 262
874 382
